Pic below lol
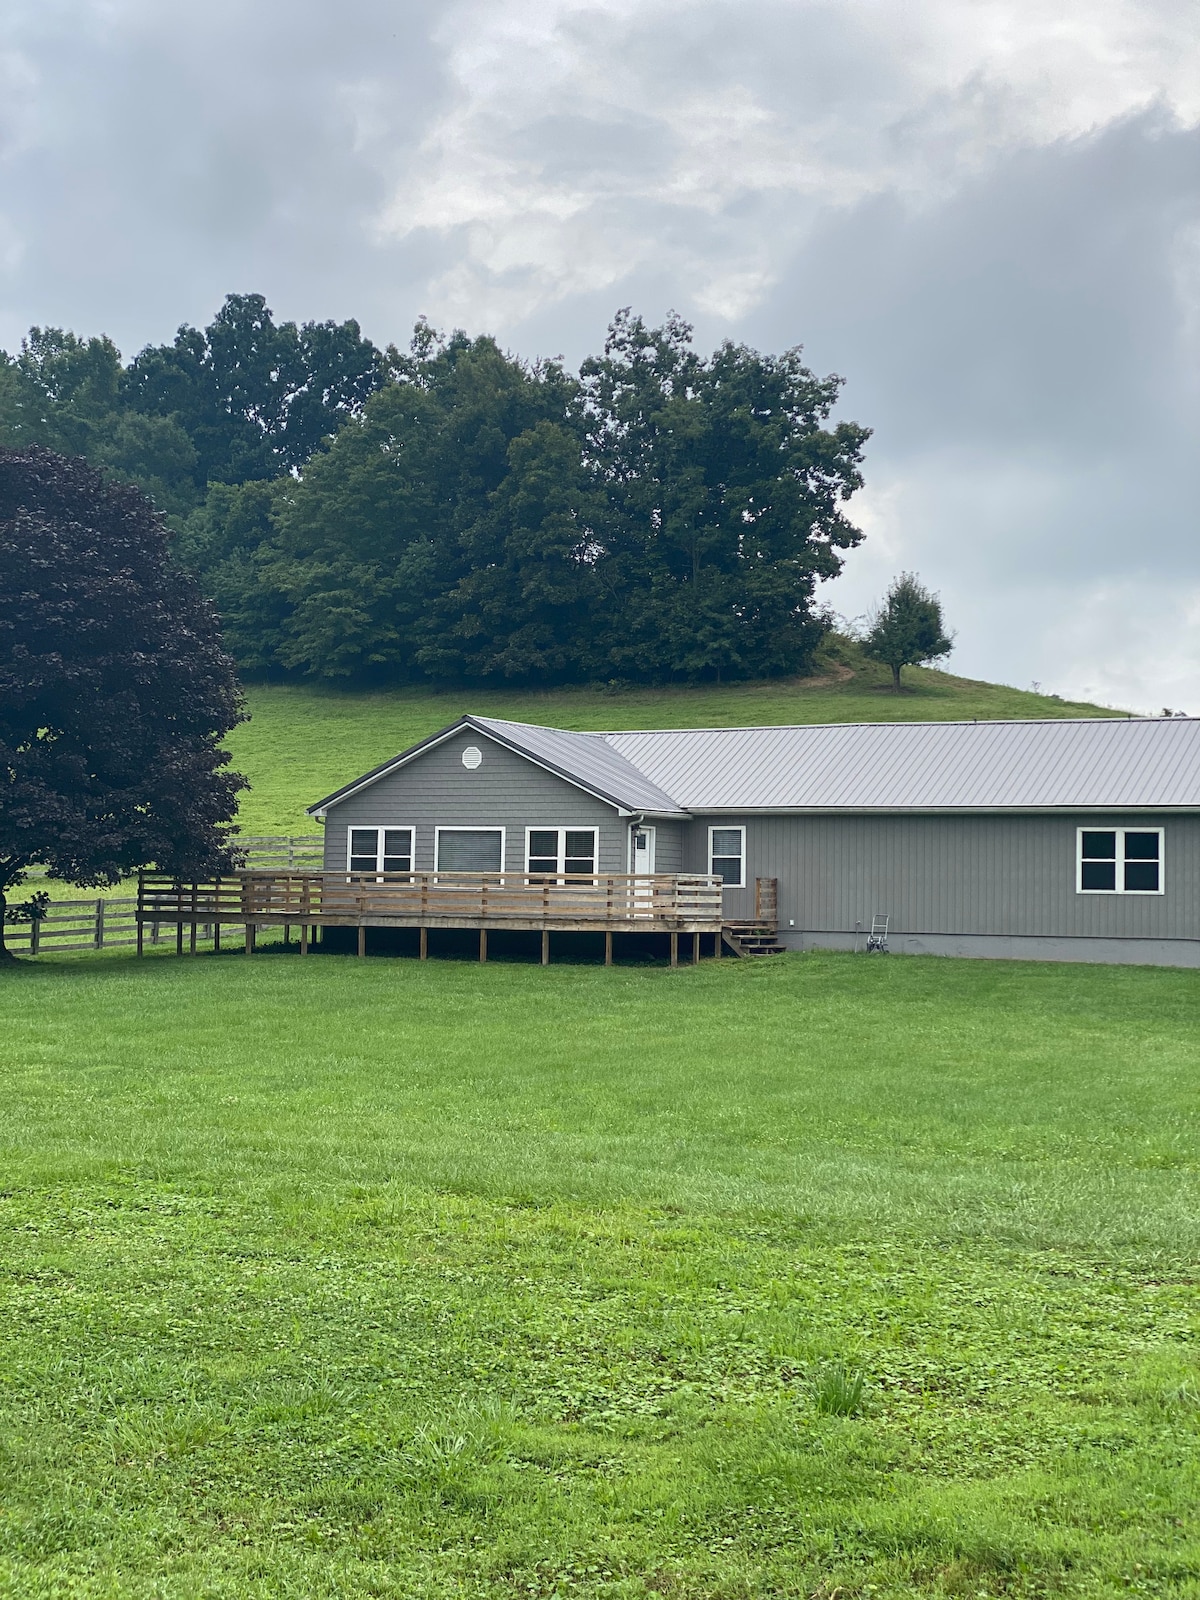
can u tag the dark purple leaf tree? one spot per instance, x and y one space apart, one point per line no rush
115 692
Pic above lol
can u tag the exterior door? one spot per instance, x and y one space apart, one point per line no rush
641 862
642 851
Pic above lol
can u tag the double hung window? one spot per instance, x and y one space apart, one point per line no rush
727 856
380 849
1120 861
554 852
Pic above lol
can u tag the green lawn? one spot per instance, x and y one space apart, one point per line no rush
301 743
341 1278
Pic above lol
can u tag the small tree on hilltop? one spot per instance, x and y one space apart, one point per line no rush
114 690
907 628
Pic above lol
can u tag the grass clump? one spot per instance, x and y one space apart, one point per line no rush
838 1390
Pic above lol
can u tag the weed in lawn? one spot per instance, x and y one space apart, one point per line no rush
838 1390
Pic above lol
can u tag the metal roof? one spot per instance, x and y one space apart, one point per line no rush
1093 764
589 759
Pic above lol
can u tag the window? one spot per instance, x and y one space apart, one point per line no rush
470 849
555 851
727 856
1120 861
380 849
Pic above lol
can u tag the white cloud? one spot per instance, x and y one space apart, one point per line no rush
983 212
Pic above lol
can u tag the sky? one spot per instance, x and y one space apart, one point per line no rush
984 215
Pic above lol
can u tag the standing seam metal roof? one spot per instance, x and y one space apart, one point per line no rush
1096 763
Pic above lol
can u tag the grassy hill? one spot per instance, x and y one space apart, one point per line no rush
302 742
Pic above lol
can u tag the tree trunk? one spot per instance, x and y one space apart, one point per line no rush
895 677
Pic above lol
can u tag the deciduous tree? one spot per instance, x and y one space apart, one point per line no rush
906 628
115 691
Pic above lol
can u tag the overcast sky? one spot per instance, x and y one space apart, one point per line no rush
984 214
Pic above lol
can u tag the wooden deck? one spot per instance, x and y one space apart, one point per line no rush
671 903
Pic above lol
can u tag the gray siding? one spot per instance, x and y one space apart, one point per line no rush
436 790
955 875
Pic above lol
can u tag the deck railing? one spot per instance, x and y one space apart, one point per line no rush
628 901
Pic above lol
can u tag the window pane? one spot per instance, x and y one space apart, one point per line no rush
546 864
363 845
543 842
1099 847
1098 875
728 869
581 850
397 850
1141 877
469 850
727 842
1141 846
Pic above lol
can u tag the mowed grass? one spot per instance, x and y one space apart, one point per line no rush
303 742
824 1276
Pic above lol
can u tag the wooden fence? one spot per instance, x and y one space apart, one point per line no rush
77 925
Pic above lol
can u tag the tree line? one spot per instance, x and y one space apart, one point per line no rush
452 512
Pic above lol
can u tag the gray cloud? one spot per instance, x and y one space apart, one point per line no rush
985 216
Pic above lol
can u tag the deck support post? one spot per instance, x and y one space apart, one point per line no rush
287 934
216 938
608 947
362 938
695 949
545 947
249 938
424 955
179 937
483 944
720 940
674 949
304 938
139 936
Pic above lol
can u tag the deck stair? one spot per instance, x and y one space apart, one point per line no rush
757 935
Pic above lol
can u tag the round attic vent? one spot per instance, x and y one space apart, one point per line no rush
472 757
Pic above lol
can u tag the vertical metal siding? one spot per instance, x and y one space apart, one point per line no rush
990 874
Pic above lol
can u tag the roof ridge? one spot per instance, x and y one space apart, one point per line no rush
903 722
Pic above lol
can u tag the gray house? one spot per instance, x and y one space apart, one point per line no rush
1065 840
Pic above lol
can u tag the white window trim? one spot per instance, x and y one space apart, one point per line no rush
560 861
1104 827
465 827
729 827
387 827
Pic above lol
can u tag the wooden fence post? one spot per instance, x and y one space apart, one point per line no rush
99 936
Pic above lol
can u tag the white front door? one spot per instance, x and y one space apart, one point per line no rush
641 862
642 851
